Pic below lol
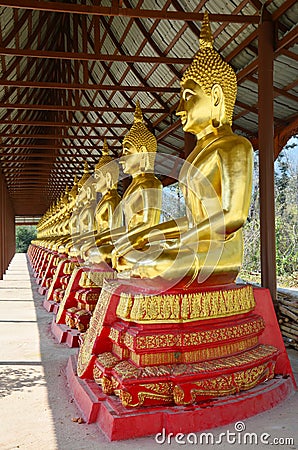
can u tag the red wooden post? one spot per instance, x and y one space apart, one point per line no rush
266 155
190 141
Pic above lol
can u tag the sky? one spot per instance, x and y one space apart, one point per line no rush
293 152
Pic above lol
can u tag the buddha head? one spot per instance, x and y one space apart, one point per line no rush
85 177
106 172
208 88
74 190
83 181
139 146
65 197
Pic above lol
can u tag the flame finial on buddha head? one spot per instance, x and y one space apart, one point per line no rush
107 164
208 68
139 136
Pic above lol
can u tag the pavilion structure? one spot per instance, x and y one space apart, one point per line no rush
71 75
71 72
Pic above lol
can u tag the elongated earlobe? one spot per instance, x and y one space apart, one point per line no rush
109 181
144 159
143 162
216 105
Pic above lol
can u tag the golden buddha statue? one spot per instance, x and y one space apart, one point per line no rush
74 222
206 246
182 334
63 224
141 202
54 229
107 214
82 204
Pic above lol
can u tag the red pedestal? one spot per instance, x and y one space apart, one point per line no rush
272 334
229 360
65 335
119 423
42 290
80 297
48 305
59 273
50 269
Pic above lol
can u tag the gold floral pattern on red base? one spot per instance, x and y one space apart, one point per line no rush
185 307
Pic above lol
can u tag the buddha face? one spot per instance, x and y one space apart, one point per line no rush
194 108
130 159
100 181
90 192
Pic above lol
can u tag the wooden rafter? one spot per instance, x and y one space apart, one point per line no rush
125 12
66 83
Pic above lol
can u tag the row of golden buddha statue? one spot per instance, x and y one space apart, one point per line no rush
169 324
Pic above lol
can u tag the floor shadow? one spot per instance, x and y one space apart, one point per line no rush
18 378
69 435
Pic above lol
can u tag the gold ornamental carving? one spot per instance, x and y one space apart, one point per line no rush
254 326
107 385
93 279
96 323
224 384
97 375
193 356
66 294
185 307
127 370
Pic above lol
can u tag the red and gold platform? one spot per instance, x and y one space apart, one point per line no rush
118 422
147 353
75 309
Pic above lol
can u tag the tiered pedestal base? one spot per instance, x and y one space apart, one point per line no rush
118 422
81 296
65 335
49 305
74 311
42 290
153 353
64 269
49 272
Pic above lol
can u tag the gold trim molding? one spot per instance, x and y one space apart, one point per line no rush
190 307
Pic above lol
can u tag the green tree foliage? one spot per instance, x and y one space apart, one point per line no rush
24 235
286 212
286 218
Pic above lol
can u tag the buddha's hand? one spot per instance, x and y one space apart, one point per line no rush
145 269
171 244
120 263
114 258
127 243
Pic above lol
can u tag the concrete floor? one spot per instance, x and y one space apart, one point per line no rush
36 409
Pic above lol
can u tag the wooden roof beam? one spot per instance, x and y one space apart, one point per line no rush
132 67
54 136
49 147
83 56
277 91
20 122
72 8
288 40
11 164
287 4
85 86
41 107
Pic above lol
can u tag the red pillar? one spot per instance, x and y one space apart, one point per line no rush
266 155
2 257
190 141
